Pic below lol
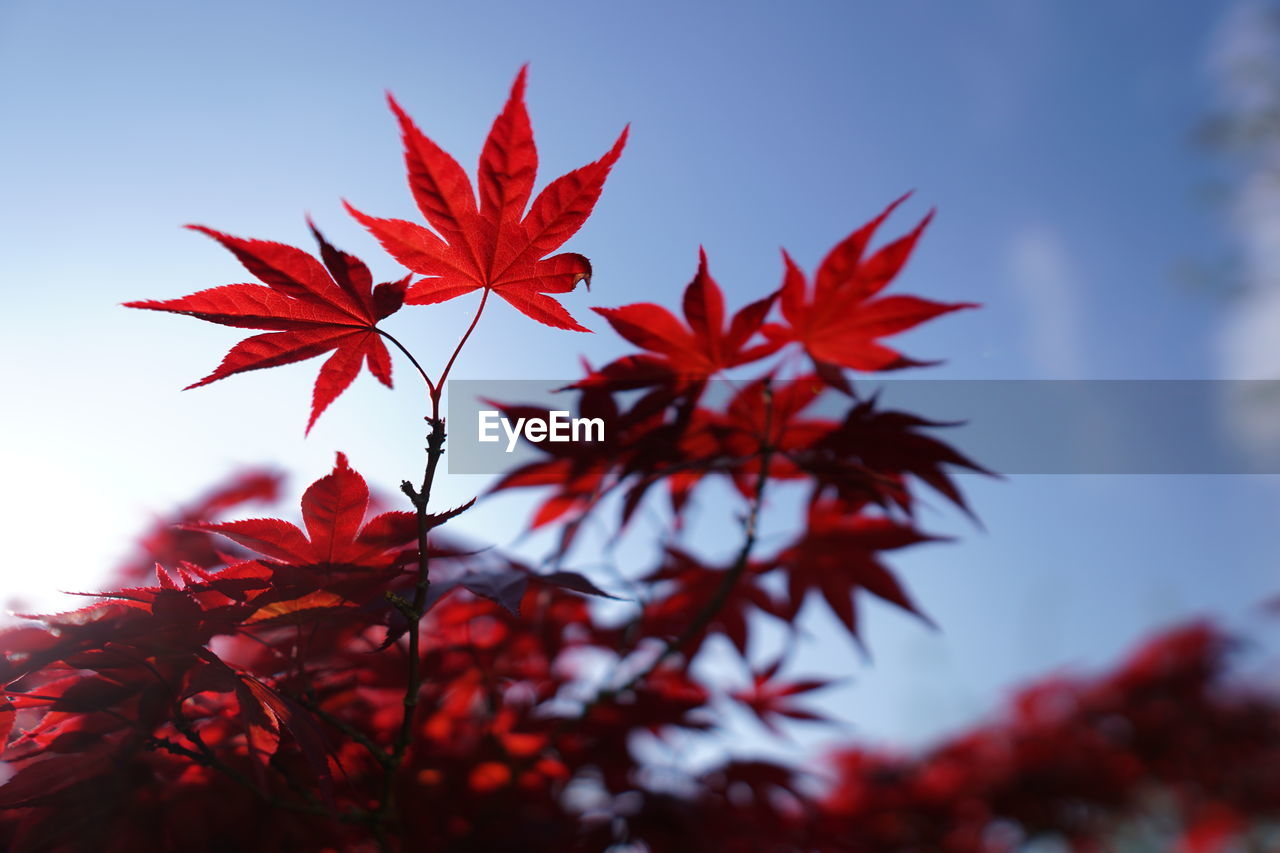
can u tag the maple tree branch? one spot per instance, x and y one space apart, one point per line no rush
379 754
204 758
751 526
718 598
204 755
414 610
430 386
708 612
734 573
208 759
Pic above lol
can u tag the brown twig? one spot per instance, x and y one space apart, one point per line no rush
731 577
415 609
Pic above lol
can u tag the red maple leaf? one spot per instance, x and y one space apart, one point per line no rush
770 699
837 554
167 543
310 309
762 415
694 585
496 246
695 349
870 453
333 511
840 321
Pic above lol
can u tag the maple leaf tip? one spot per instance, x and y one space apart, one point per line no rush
315 416
402 117
622 140
205 230
702 266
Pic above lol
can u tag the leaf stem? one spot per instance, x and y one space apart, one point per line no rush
430 387
439 386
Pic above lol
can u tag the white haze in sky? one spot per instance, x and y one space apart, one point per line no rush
1244 61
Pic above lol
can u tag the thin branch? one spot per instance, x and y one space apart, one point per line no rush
379 754
731 576
206 758
414 610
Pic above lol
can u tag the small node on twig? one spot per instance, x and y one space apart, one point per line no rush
408 489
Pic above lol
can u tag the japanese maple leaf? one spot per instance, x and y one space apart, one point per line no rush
695 349
764 414
770 699
694 584
840 320
688 450
497 245
310 308
167 543
333 511
838 553
872 451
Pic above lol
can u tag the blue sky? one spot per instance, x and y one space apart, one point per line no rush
1055 140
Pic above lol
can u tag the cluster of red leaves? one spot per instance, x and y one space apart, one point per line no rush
221 675
315 306
247 707
678 433
266 671
1162 751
